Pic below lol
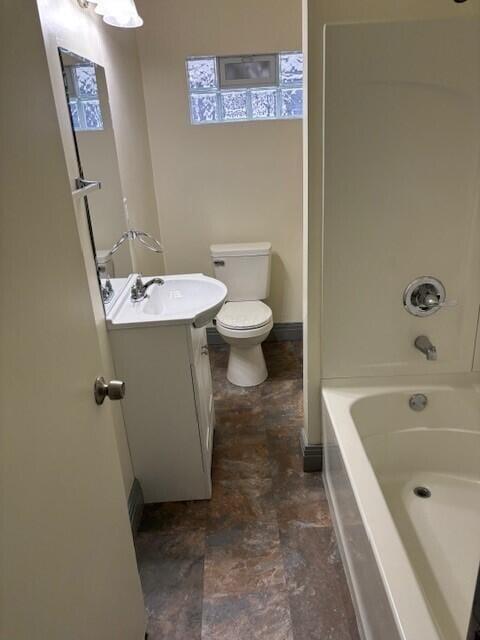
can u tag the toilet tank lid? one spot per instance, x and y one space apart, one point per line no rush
241 249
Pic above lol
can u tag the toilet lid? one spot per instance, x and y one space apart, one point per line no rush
244 315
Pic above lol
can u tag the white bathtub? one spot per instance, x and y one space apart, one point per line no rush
412 562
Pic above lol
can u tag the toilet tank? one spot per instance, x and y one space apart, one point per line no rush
244 268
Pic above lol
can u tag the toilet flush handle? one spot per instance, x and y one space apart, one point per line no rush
219 263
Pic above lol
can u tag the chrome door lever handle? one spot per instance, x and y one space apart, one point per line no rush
114 390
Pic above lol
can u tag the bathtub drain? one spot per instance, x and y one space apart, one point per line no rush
422 492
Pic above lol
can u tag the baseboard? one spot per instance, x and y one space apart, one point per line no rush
135 505
281 332
312 454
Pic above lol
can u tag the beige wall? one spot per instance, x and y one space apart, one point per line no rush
225 182
65 24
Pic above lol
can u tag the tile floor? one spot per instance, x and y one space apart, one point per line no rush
259 561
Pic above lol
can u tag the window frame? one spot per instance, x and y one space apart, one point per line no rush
225 84
279 88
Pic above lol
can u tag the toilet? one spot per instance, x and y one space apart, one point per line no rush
244 321
105 266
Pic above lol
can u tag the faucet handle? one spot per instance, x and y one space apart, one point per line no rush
432 302
137 292
107 291
452 303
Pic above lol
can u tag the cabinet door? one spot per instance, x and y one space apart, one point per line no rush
204 391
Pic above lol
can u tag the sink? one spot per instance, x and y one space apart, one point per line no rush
182 299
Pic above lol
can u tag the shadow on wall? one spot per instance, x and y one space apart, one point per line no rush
279 278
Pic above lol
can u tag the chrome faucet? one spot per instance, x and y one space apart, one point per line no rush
423 344
139 290
107 291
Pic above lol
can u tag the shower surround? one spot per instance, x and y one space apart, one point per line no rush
401 202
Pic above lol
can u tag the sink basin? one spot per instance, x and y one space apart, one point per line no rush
184 299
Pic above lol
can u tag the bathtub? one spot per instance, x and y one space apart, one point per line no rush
411 561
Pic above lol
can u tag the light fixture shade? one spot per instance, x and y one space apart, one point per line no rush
119 13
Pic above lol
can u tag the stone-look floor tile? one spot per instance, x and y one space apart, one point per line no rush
245 426
243 559
314 580
264 615
218 357
299 350
228 396
301 499
282 360
238 502
237 416
170 516
283 444
282 403
171 572
241 456
261 555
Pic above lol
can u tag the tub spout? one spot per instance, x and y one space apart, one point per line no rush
423 344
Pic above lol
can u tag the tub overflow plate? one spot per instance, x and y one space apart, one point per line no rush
418 402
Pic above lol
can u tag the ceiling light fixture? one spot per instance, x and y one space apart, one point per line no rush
119 13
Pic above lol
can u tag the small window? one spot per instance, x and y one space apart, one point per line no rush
242 88
248 71
84 101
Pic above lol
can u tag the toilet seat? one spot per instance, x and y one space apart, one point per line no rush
243 316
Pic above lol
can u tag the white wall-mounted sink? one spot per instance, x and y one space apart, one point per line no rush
182 299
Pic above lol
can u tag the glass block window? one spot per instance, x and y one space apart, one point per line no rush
84 102
264 103
234 105
210 104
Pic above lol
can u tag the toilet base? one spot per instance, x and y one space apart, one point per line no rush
246 366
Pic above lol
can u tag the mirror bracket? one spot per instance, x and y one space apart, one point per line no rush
80 183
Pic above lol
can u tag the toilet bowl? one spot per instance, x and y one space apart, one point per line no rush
244 326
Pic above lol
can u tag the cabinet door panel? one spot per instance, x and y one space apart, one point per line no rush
203 382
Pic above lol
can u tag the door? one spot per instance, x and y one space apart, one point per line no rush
68 565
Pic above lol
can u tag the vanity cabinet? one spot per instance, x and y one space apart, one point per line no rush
168 408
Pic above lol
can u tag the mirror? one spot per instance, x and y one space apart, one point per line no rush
90 117
91 121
